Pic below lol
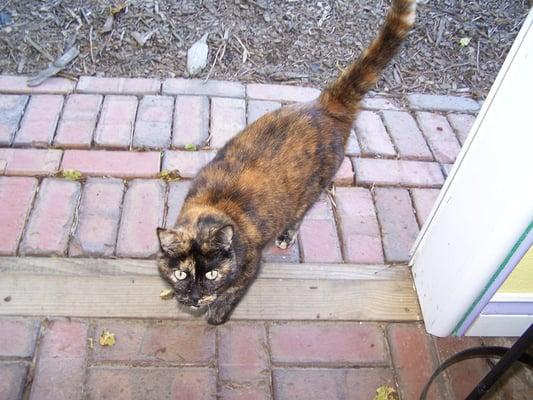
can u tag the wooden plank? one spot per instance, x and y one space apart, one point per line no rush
99 267
138 297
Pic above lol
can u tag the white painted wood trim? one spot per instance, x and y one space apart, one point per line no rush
486 202
500 325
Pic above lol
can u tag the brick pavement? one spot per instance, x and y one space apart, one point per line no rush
121 133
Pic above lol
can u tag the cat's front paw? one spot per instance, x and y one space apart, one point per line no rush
218 313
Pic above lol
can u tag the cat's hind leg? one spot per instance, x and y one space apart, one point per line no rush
288 236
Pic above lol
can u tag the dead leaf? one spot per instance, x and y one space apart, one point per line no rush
190 147
169 176
108 25
166 294
56 66
107 338
72 174
142 39
197 56
386 393
90 343
118 8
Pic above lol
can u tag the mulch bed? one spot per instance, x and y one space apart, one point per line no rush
300 42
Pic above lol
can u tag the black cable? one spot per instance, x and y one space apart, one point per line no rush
477 352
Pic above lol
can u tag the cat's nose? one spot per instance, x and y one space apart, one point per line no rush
195 297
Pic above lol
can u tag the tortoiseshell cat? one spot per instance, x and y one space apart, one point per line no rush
262 182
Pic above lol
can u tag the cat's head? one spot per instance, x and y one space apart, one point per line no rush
198 259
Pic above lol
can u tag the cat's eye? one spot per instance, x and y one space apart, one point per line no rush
180 275
211 275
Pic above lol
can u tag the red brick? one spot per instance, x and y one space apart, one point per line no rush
242 353
153 342
92 84
16 196
154 120
254 391
32 162
124 382
39 123
423 200
463 377
202 88
352 146
319 241
98 218
359 227
281 92
228 117
272 253
327 344
372 135
413 361
321 210
406 136
344 176
11 110
176 195
379 103
398 223
442 103
78 121
258 108
462 123
121 164
137 236
369 171
17 84
338 383
48 229
191 121
17 337
60 366
193 344
188 163
115 126
318 234
439 135
13 380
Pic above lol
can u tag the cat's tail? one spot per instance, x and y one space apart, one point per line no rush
345 93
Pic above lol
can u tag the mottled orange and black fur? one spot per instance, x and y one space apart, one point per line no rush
262 182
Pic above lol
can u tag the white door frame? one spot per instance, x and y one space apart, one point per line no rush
486 204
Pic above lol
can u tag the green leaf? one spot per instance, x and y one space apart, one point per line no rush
464 41
190 147
72 174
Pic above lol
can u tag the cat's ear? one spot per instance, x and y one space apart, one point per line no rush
224 236
172 241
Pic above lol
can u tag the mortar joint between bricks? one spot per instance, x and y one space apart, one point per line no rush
336 221
121 213
29 213
43 325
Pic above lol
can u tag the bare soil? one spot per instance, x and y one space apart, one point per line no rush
301 42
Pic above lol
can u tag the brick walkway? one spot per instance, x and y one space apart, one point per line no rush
121 134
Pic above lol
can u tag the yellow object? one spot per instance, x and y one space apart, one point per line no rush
166 294
521 279
386 393
169 176
72 174
107 338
